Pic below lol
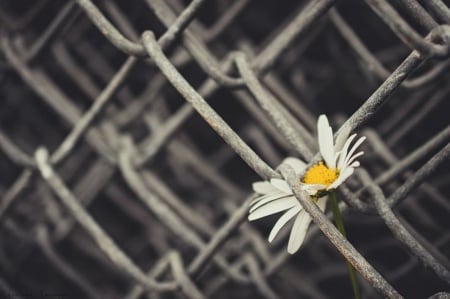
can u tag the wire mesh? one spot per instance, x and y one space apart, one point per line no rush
131 131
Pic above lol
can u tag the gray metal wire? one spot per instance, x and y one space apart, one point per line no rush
130 134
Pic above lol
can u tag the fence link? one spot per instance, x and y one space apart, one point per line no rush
130 134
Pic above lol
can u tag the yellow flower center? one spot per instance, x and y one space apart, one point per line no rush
320 174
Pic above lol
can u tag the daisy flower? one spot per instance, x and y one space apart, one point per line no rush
339 161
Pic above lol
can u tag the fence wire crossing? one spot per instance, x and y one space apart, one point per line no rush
130 134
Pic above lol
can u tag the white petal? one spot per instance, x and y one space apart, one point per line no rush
273 207
282 221
312 189
255 200
263 188
281 185
352 158
325 136
273 195
298 231
354 164
342 177
268 198
343 153
355 147
341 138
297 164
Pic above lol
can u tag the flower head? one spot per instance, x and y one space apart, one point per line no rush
339 159
276 196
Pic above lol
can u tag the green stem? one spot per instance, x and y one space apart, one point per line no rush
340 225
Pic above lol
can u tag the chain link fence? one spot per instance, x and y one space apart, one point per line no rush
131 131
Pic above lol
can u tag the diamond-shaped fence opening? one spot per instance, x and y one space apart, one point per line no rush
131 133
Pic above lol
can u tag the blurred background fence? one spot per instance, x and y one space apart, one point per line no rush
131 131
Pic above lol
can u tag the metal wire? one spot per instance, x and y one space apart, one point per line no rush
130 134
